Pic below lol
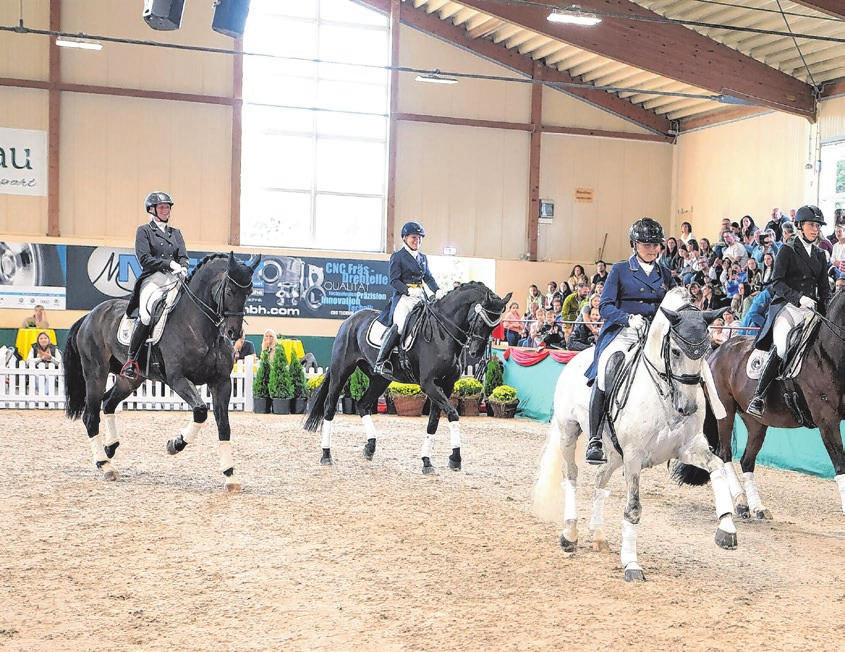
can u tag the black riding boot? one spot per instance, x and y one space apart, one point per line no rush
756 405
598 401
391 339
140 333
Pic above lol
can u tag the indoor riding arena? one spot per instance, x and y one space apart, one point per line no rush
461 178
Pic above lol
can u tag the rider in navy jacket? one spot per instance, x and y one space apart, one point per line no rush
408 270
799 284
160 248
632 293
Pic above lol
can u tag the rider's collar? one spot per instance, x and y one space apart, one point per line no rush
413 252
159 225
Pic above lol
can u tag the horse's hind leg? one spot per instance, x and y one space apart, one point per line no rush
567 433
756 436
725 452
440 401
631 524
600 494
94 385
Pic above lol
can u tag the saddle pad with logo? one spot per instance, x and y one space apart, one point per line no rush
124 328
795 353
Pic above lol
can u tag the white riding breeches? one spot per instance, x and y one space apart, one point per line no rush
622 342
405 305
153 290
788 317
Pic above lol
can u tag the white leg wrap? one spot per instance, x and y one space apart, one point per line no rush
455 433
629 543
751 492
840 482
724 502
570 511
96 443
327 434
112 434
190 432
226 460
733 481
597 521
369 426
428 446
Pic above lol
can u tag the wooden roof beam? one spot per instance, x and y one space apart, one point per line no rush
833 8
666 49
522 64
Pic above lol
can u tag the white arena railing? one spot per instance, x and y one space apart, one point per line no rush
25 387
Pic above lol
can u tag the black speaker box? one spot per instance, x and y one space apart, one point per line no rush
230 17
164 15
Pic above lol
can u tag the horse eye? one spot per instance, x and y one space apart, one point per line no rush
676 353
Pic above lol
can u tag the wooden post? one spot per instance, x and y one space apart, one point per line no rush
534 161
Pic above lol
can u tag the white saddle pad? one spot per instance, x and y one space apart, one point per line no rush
124 328
375 333
755 363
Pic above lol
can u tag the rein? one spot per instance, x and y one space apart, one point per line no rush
215 316
464 337
836 329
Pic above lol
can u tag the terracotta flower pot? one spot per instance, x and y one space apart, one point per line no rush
469 407
504 410
409 406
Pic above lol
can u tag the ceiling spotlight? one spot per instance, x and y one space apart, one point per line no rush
573 16
436 78
78 42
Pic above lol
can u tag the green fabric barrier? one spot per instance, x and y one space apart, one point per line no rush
796 449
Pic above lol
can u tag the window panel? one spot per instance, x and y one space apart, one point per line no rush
281 37
276 219
264 119
348 12
279 161
349 223
344 124
296 9
343 96
348 44
350 166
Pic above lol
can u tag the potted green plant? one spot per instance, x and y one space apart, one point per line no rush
493 378
358 383
260 385
469 396
504 401
299 384
281 388
407 398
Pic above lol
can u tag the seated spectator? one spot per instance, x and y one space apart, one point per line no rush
37 320
572 305
44 352
717 335
551 294
788 232
243 348
686 232
730 320
706 250
837 257
512 322
585 333
695 291
767 268
757 312
601 272
578 276
550 334
753 276
670 257
748 232
534 296
592 302
707 301
735 251
269 342
557 310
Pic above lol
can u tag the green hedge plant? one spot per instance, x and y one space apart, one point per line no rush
297 378
280 383
260 384
494 376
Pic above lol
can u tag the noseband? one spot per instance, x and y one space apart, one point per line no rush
464 337
218 314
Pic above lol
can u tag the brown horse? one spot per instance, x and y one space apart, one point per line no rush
821 382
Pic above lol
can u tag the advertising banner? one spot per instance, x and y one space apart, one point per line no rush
23 162
283 286
32 274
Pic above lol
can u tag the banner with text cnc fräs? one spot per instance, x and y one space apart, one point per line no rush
283 286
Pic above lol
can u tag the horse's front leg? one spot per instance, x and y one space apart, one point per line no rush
699 454
439 401
188 435
114 397
756 436
631 524
221 392
725 452
365 408
600 494
91 419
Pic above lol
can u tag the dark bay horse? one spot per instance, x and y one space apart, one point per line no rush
821 381
465 317
195 349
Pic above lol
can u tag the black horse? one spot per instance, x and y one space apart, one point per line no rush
195 349
822 385
465 317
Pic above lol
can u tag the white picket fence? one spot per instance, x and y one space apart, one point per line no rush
25 387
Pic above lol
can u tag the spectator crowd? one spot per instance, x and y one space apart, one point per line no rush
732 270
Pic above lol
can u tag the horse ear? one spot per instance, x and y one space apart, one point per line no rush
254 265
506 299
712 315
673 317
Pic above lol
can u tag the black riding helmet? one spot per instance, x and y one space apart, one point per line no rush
413 228
646 231
156 198
809 214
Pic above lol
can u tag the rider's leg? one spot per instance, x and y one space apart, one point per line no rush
391 339
786 319
598 402
609 360
140 333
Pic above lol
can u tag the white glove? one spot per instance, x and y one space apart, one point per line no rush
439 294
415 292
807 302
178 269
637 322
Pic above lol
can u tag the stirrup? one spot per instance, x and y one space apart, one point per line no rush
595 453
756 407
380 367
130 370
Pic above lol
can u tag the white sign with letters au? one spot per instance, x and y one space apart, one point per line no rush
23 162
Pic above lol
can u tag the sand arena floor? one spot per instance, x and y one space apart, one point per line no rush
376 556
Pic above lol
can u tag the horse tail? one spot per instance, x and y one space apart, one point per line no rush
548 494
74 379
693 475
317 405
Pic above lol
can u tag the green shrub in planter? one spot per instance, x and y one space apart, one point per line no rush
504 394
280 383
297 378
404 389
358 384
468 388
260 384
494 376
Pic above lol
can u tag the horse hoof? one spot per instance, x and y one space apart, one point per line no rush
726 540
743 512
428 468
369 449
327 460
763 514
171 447
455 459
634 575
111 475
232 487
567 545
111 449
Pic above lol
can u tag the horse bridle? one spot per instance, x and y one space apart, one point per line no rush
217 315
481 312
